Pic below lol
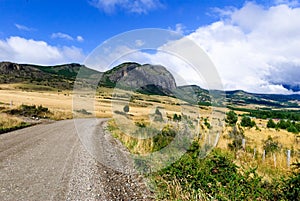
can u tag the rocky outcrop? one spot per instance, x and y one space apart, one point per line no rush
140 77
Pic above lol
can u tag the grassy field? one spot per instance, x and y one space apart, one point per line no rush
10 123
152 122
109 103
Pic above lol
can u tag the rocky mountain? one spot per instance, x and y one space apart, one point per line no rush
144 78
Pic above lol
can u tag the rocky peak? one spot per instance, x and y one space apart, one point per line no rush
136 76
8 67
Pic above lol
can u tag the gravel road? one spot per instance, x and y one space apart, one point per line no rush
52 162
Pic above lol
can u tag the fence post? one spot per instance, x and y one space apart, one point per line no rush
11 103
288 159
254 153
274 156
243 144
264 155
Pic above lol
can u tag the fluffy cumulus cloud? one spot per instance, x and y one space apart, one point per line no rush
255 48
131 6
23 50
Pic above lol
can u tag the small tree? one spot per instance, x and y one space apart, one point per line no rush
126 108
292 129
282 124
271 146
246 122
271 124
176 117
231 118
206 123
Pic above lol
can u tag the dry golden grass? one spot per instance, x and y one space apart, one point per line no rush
106 101
8 121
175 191
59 103
136 146
142 108
274 164
52 100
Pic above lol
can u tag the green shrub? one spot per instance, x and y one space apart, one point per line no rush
271 124
282 124
292 129
176 117
164 138
246 122
291 185
206 123
216 175
231 118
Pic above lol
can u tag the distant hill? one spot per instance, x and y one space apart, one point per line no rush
147 79
60 76
243 98
195 94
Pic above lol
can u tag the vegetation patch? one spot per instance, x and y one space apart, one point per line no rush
30 111
83 111
217 177
34 87
136 144
293 115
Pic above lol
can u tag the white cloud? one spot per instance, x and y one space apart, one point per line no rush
23 27
254 47
131 6
107 57
179 28
62 36
66 36
79 39
21 50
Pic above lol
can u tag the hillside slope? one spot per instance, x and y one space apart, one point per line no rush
60 76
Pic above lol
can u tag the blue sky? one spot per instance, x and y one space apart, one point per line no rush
255 45
41 18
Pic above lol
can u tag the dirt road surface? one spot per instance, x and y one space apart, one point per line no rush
50 162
